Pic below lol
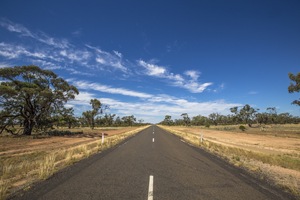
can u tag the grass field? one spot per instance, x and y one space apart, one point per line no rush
272 153
25 160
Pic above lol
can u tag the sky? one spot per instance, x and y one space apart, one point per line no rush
151 58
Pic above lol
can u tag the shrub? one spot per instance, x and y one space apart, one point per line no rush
62 133
242 128
207 125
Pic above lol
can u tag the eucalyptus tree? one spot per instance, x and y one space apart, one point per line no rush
109 119
246 114
168 120
31 95
186 118
67 117
214 118
294 86
89 116
129 120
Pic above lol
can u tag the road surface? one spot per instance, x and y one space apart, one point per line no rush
154 164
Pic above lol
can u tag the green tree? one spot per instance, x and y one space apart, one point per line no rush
31 95
67 117
272 114
168 120
109 119
294 86
246 114
186 119
199 120
90 115
214 118
129 120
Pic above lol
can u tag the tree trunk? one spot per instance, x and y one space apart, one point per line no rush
28 126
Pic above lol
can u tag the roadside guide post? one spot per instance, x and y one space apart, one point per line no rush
201 137
102 139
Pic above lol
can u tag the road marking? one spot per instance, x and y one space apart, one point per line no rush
152 139
150 190
153 132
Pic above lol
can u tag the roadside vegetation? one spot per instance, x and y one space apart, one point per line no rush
33 112
265 143
25 160
41 135
273 155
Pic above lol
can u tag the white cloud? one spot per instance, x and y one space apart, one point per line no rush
40 36
154 108
108 89
177 80
193 74
118 54
18 28
59 52
108 60
253 92
153 70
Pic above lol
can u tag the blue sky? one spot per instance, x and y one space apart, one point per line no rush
156 58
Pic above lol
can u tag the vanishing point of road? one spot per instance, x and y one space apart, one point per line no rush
153 164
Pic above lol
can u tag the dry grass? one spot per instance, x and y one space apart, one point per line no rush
282 169
21 168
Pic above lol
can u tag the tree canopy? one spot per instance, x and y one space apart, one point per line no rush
31 95
294 86
97 108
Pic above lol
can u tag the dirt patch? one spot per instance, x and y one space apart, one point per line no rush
25 160
22 145
274 157
261 143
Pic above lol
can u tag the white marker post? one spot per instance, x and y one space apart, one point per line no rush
201 137
102 139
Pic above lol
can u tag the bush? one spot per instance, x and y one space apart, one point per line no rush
207 125
62 133
242 128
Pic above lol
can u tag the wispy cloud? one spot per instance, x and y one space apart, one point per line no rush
190 82
154 107
55 53
253 92
108 89
105 59
40 36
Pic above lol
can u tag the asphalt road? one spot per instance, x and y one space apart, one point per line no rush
177 171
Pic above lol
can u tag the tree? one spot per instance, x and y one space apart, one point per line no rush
67 116
272 113
118 121
129 120
108 119
32 95
246 114
214 118
186 119
294 87
91 114
168 120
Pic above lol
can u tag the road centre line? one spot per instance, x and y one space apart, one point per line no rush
150 190
152 139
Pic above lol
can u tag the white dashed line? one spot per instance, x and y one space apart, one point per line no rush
152 139
150 190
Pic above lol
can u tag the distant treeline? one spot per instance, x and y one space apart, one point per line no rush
244 115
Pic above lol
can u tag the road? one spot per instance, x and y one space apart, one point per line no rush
152 165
